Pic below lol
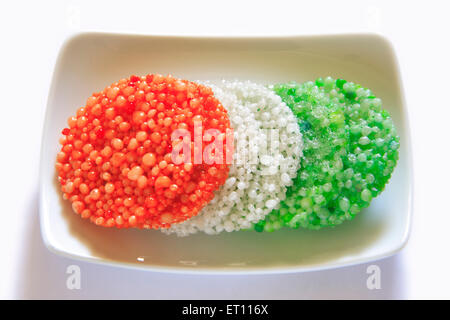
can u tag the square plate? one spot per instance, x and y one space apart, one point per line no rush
89 62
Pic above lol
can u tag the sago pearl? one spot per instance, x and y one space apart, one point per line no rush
115 165
351 150
268 147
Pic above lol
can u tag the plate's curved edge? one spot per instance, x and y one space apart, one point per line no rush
406 121
221 272
42 218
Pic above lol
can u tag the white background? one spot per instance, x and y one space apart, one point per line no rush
31 35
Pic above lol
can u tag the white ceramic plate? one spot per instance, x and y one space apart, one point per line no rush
89 62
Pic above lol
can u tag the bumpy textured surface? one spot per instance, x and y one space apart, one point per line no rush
350 150
116 165
268 147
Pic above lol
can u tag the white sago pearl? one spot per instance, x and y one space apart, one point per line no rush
266 159
252 194
261 169
285 178
230 182
241 185
271 203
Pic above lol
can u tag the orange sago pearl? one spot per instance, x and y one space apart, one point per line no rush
115 164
